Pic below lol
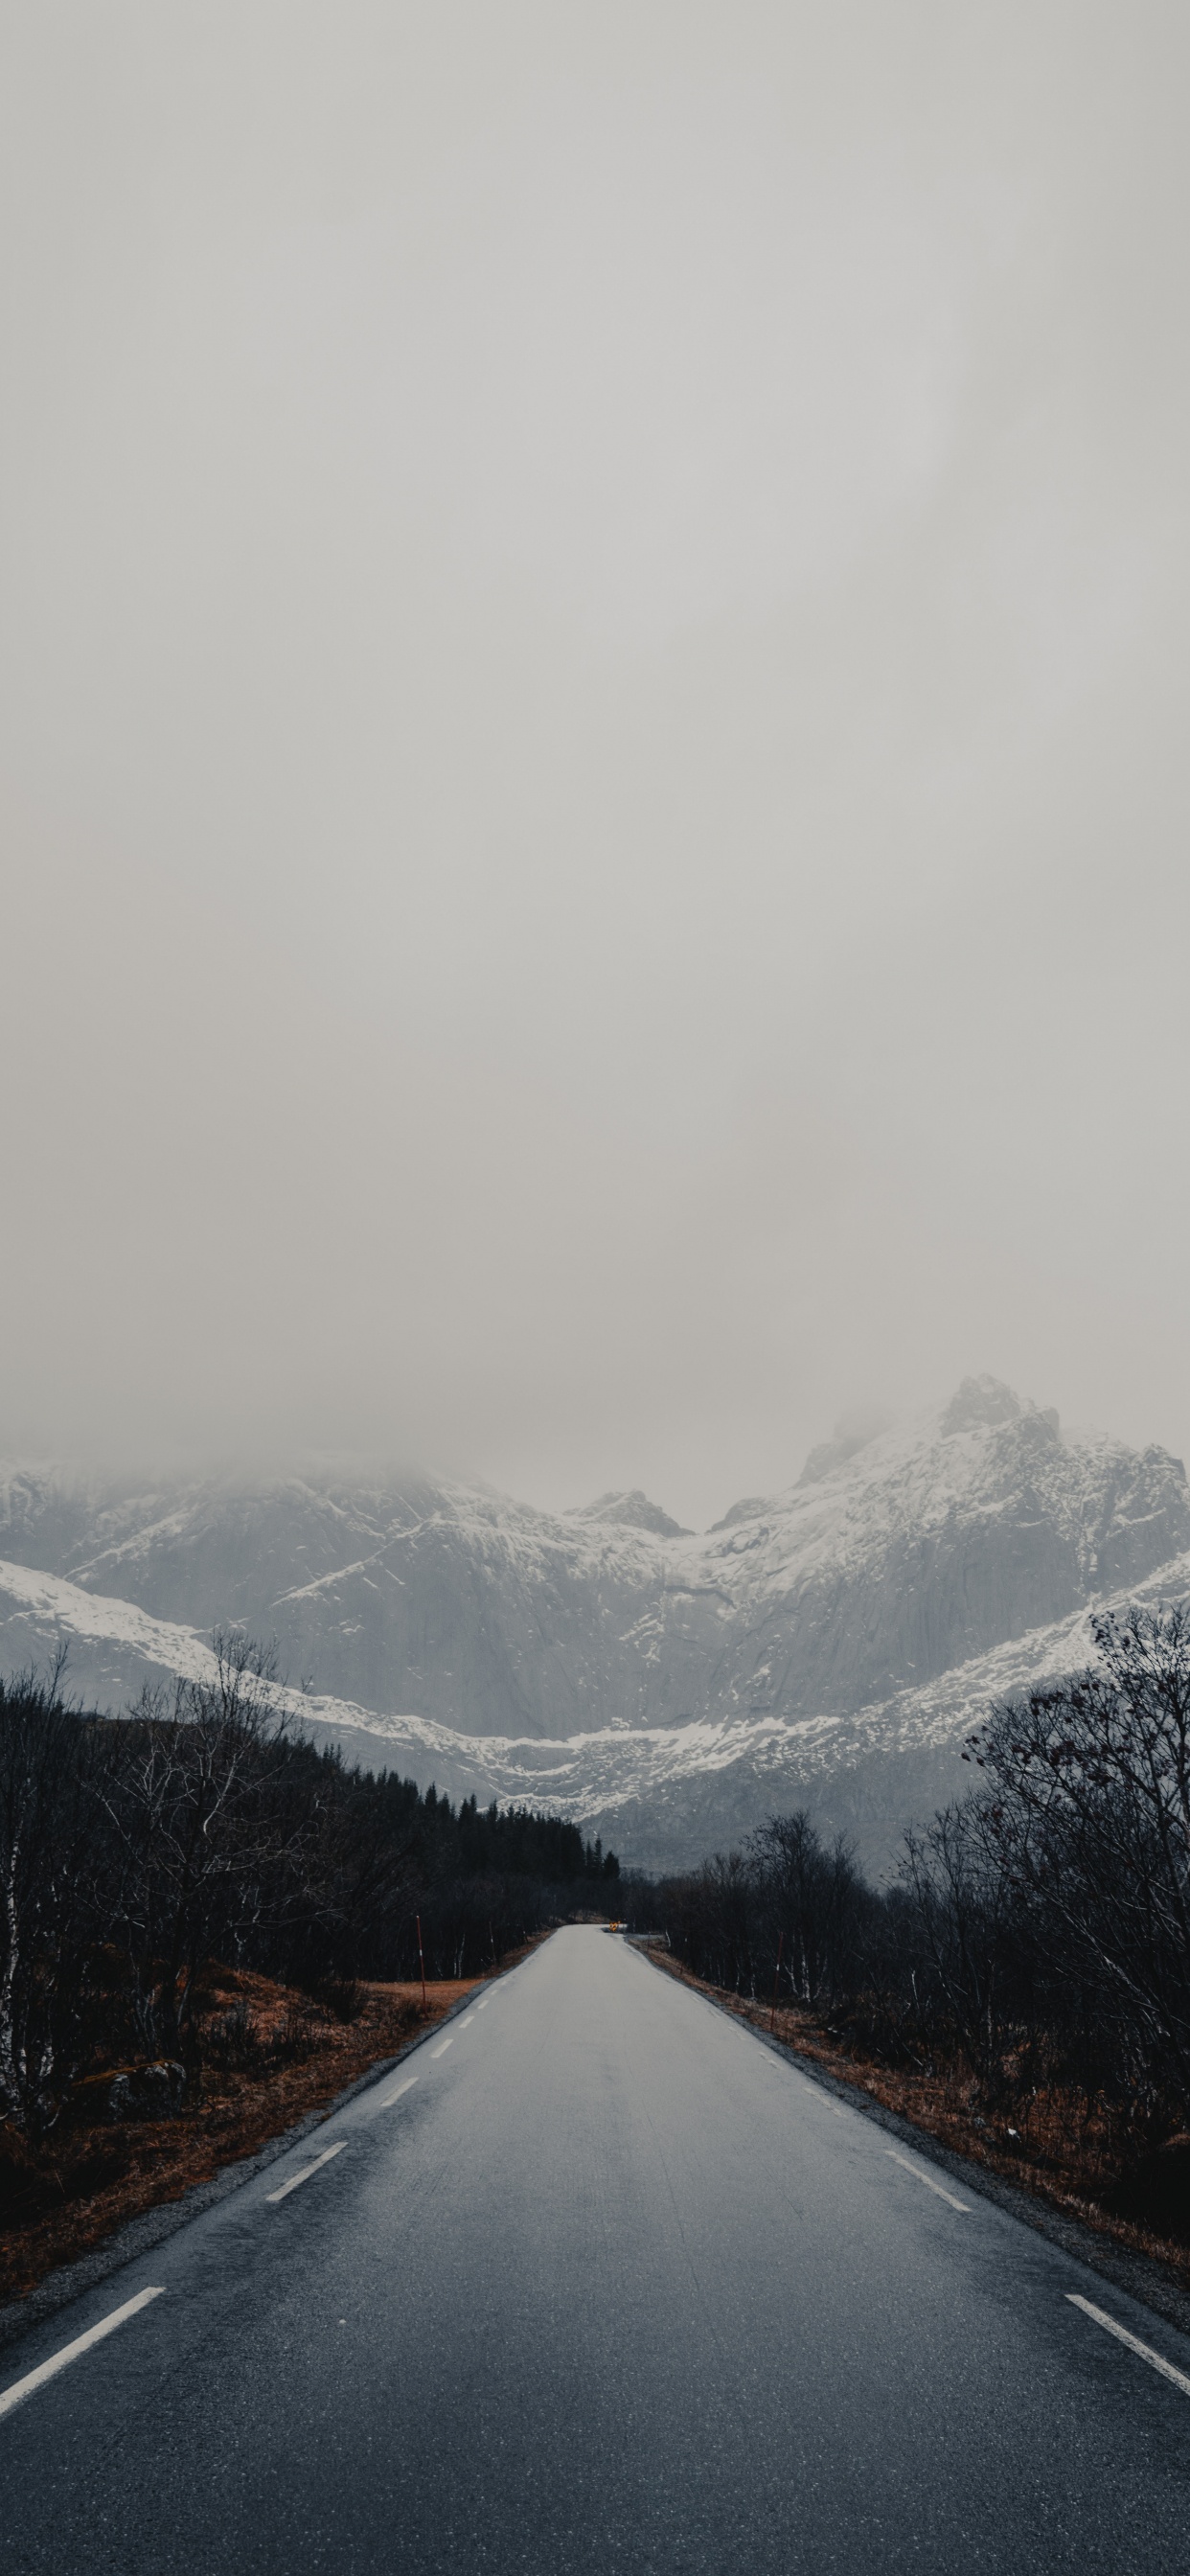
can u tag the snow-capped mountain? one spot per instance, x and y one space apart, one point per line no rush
839 1636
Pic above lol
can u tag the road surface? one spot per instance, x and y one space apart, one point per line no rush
596 2282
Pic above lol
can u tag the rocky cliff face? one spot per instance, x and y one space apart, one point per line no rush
907 1554
931 1547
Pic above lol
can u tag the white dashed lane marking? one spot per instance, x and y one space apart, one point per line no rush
1154 2359
307 2170
963 2205
22 2388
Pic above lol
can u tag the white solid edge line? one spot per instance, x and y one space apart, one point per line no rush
307 2170
1155 2359
963 2205
406 2087
20 2388
443 2045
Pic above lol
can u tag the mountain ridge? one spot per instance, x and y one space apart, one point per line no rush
911 1554
605 1777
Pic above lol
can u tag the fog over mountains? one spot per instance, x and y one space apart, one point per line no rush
830 1644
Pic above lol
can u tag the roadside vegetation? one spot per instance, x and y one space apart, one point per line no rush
208 1927
1022 1986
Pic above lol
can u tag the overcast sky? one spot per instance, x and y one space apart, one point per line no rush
594 727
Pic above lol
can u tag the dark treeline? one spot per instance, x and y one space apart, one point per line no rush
1037 1933
202 1827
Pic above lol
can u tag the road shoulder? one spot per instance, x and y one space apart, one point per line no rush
152 2226
1140 2276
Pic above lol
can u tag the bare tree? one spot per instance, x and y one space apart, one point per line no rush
47 1864
963 1910
813 1901
200 1842
1088 1805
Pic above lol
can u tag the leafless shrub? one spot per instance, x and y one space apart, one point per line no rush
230 2039
343 1997
294 2037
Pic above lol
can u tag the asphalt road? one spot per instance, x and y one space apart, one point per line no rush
608 2286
